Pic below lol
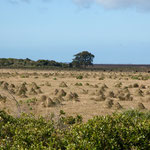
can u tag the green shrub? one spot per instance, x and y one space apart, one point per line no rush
79 77
128 130
31 101
78 84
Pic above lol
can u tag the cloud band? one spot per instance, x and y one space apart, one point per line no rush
108 4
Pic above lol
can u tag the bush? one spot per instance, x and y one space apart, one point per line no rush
127 130
78 84
79 77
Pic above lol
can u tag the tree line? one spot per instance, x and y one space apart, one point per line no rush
80 60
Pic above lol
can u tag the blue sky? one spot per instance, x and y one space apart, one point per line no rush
57 29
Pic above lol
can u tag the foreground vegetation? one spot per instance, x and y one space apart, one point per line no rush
127 130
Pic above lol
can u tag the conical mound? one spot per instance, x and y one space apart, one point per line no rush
140 106
117 106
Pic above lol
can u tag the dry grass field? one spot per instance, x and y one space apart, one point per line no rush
84 93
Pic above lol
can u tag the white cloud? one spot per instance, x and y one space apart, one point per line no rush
17 1
26 1
83 3
117 4
108 4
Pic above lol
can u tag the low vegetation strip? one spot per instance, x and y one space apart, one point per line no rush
127 130
81 61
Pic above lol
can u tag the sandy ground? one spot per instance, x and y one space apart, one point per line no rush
94 92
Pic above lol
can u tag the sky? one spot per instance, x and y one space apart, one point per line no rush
115 31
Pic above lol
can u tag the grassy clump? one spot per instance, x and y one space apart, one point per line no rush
79 77
127 130
78 84
140 77
31 101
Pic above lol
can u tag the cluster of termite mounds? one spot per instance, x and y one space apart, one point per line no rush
109 90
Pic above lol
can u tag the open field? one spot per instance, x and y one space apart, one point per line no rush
87 93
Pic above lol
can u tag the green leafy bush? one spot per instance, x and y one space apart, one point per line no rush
79 77
128 130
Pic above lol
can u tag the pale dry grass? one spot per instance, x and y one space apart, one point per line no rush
98 93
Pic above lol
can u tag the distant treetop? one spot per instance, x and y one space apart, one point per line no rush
83 59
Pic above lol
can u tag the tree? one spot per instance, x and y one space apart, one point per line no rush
42 62
83 59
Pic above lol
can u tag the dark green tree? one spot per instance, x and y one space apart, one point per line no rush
83 59
42 62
